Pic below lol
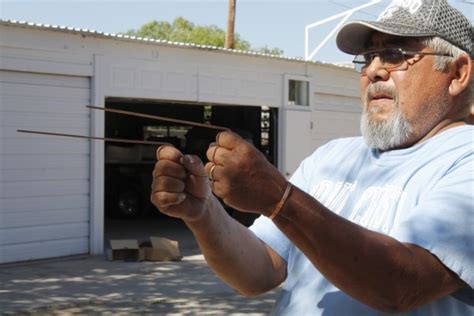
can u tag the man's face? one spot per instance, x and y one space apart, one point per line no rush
400 107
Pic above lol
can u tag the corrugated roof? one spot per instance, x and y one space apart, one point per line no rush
83 31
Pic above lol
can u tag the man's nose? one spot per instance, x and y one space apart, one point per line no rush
375 71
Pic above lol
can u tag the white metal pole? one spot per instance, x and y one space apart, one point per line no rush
346 14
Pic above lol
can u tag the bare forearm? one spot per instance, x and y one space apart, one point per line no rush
373 268
179 189
228 248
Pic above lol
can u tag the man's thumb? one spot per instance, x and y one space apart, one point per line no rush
193 165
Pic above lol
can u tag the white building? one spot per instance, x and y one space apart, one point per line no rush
52 189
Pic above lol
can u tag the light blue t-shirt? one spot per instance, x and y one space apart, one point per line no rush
422 195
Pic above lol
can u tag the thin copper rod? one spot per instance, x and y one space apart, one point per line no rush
159 118
114 140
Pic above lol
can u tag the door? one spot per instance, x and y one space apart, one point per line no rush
297 139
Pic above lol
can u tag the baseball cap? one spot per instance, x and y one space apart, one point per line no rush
410 18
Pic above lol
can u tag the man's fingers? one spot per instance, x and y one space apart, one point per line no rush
170 169
193 165
169 153
164 200
197 181
217 188
228 140
168 184
218 155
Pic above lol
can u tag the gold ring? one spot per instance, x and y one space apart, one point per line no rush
210 175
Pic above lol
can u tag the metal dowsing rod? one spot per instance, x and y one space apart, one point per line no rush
122 140
116 140
158 118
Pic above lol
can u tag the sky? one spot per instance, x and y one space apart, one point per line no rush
274 23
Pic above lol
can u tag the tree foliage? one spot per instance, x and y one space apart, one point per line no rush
182 30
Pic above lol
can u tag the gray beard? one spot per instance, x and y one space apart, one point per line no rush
388 134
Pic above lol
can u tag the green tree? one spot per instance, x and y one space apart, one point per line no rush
182 30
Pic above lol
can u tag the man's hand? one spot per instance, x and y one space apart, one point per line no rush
180 186
242 176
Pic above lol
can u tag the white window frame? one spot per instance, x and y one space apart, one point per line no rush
286 92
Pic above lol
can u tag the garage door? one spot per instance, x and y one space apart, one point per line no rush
44 181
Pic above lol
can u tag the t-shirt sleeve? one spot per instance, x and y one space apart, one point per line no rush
264 229
443 221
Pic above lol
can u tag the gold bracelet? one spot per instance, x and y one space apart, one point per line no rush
280 204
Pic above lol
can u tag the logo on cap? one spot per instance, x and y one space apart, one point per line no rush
411 5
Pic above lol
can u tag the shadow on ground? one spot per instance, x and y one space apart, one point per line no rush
92 285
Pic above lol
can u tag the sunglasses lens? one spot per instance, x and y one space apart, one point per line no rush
391 58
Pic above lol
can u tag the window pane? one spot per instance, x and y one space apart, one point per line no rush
298 92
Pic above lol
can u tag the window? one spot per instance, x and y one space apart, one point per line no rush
297 92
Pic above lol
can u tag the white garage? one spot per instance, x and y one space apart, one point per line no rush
54 191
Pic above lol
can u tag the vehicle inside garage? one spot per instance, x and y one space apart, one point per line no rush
128 167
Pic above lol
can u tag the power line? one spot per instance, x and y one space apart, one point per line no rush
471 2
344 5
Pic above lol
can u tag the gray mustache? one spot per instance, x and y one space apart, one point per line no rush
380 88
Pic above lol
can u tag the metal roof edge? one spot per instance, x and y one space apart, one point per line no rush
136 39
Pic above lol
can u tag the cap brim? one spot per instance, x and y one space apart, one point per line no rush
354 37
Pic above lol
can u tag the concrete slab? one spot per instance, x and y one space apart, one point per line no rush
92 285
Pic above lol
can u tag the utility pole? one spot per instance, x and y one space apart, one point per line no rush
229 36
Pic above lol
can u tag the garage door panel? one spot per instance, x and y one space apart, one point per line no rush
43 174
44 120
11 131
44 145
44 180
31 104
51 92
63 231
43 188
60 161
44 217
44 80
39 250
43 203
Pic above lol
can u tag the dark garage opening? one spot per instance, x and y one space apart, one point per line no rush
129 213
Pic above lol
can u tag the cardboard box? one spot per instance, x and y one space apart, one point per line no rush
124 249
161 249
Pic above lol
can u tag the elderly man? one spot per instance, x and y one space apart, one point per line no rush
367 225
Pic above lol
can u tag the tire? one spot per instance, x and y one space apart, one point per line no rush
130 203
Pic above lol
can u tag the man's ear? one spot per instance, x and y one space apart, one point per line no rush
463 72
